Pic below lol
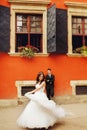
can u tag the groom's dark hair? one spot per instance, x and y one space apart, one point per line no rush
49 69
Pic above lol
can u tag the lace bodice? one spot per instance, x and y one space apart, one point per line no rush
41 89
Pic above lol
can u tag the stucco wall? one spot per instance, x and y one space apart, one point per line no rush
16 68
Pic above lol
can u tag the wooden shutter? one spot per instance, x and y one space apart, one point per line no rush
57 30
4 29
51 29
61 31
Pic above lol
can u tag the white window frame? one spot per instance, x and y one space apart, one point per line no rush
74 9
20 83
28 6
74 83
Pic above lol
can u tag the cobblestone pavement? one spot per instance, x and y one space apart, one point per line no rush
78 121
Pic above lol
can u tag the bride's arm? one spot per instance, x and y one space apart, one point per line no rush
35 90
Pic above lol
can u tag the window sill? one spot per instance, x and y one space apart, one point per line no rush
36 54
76 55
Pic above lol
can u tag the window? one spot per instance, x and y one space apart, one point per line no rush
28 25
77 26
29 31
79 32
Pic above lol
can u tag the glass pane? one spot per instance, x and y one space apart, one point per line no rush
33 24
74 20
79 31
76 43
24 24
38 29
21 40
74 25
85 31
85 26
19 29
19 23
74 31
19 17
38 24
85 20
33 29
79 20
79 26
24 18
38 18
32 18
24 29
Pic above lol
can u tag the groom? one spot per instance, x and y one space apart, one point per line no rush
50 84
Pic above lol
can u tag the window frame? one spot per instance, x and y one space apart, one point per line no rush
29 9
74 9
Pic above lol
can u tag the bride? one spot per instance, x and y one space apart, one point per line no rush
40 111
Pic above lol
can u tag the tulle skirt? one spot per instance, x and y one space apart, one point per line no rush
40 112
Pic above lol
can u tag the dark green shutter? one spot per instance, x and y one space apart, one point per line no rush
51 29
57 30
4 29
61 31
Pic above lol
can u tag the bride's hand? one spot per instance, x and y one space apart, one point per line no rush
27 93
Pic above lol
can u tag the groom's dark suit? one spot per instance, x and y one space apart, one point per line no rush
50 85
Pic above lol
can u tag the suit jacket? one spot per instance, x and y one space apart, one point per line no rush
50 80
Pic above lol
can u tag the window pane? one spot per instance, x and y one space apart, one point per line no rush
86 40
21 40
33 29
79 29
79 20
38 24
36 41
38 18
85 31
19 17
74 20
35 24
85 26
85 20
32 18
21 23
76 43
74 25
19 29
74 31
38 30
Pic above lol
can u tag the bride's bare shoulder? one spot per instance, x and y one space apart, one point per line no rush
43 83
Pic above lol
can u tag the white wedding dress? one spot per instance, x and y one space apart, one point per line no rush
40 112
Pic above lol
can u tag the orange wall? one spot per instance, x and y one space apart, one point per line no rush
4 3
64 68
60 3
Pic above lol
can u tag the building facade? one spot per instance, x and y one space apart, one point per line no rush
58 29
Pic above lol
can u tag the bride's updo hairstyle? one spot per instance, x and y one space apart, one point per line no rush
38 75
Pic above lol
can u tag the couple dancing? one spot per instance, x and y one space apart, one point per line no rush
40 112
